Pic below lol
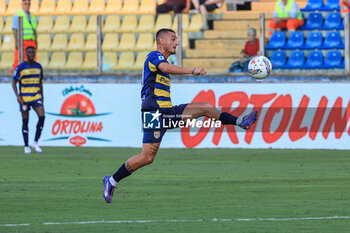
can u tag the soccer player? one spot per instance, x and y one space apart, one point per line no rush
29 74
155 96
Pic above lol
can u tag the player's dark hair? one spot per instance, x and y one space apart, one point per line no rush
163 30
30 47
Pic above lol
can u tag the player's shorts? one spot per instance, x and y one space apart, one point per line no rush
27 106
151 135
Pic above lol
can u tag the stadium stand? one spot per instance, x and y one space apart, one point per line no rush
147 7
130 7
333 60
146 24
43 58
144 42
295 40
59 43
113 7
45 24
34 6
74 61
129 23
126 61
314 60
76 42
96 7
63 7
57 61
47 7
110 42
8 43
295 60
44 42
112 24
1 24
78 24
278 59
109 59
8 26
278 40
313 5
313 41
90 62
79 7
140 60
91 42
62 24
6 60
127 42
3 7
13 6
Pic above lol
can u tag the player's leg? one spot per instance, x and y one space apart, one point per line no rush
25 120
40 111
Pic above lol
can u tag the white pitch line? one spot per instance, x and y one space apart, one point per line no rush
184 220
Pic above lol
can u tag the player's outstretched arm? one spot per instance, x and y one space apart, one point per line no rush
173 69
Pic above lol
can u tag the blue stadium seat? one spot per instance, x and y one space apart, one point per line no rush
314 21
342 44
296 60
331 5
313 5
314 40
332 40
332 21
295 40
342 64
333 59
314 60
341 26
278 59
278 39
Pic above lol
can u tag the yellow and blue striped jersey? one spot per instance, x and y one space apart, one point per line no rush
155 91
29 77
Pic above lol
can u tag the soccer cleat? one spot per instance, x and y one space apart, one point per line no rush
248 120
36 147
27 150
108 189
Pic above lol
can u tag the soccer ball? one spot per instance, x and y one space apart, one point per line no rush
259 67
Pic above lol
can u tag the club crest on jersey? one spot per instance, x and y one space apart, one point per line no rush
156 134
161 58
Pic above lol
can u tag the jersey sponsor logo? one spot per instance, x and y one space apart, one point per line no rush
163 80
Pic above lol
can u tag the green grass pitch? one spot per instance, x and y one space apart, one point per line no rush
200 186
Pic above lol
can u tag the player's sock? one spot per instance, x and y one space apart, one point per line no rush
39 128
122 172
228 119
25 131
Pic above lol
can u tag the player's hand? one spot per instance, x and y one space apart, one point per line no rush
20 100
199 71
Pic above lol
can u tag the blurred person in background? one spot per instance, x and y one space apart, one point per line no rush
344 6
205 6
287 15
29 31
178 6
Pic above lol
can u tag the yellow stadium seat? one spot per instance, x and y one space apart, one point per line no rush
140 61
76 42
129 23
96 7
6 60
1 24
163 21
78 24
34 6
90 62
127 42
63 7
126 61
110 42
91 43
75 60
59 43
112 24
8 26
45 24
146 24
44 42
80 7
47 7
109 60
130 6
147 7
196 23
92 24
62 24
145 42
185 41
43 58
185 22
3 7
8 43
57 61
13 7
113 7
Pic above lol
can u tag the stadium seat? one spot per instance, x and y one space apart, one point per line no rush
146 24
185 40
6 60
129 23
109 60
314 21
1 24
277 40
130 7
341 65
59 43
57 61
3 7
185 23
163 21
144 42
8 26
333 59
332 40
296 60
44 42
13 6
140 61
111 24
342 44
80 7
90 62
147 7
332 21
110 42
96 7
314 40
78 24
8 43
62 24
47 7
126 61
295 40
34 6
196 23
43 58
314 60
278 59
113 7
76 42
63 7
74 61
91 43
45 24
92 24
313 5
331 5
127 42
